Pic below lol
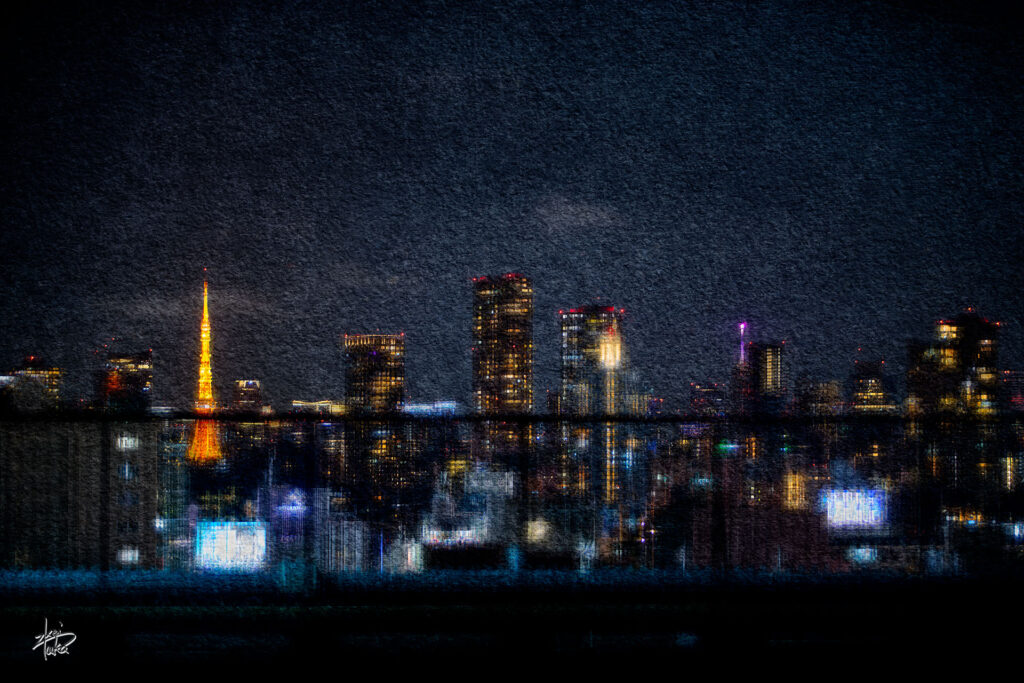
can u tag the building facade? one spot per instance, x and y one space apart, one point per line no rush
502 359
374 373
502 344
376 470
957 370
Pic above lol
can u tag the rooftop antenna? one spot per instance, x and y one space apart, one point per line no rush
743 349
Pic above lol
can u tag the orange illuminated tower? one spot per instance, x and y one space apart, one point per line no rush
205 444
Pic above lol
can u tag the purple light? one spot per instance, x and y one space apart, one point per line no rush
743 353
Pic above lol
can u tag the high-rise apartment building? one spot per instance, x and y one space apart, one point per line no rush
767 361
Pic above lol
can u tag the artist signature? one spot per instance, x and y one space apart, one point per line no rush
53 641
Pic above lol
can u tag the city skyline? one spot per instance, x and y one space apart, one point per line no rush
592 350
837 180
411 330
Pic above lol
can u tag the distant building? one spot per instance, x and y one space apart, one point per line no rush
36 385
374 372
819 398
597 380
957 370
593 361
247 395
502 359
759 381
708 399
870 392
377 469
1012 385
502 344
767 362
126 382
324 407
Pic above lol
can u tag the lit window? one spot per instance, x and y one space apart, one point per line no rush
128 555
127 471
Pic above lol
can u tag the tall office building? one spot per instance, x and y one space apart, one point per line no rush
596 380
204 445
818 398
126 381
956 371
374 373
502 353
767 359
502 344
593 360
759 382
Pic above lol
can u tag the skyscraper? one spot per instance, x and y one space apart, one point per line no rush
758 381
595 381
593 359
204 445
502 358
502 344
767 361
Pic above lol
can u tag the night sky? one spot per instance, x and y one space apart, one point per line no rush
836 174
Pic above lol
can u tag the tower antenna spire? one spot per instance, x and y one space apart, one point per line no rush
743 349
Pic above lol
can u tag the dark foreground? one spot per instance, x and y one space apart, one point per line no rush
147 617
